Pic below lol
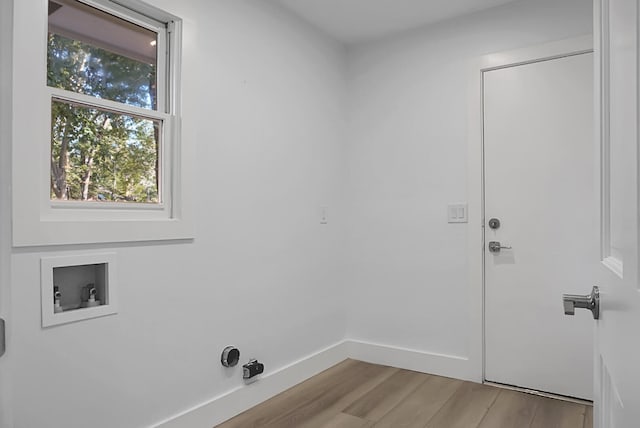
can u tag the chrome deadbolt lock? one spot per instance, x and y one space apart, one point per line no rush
494 223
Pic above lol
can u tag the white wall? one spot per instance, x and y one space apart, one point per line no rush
263 103
407 267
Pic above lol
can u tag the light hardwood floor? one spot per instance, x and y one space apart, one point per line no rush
354 394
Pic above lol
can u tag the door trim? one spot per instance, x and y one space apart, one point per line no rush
475 174
540 393
7 360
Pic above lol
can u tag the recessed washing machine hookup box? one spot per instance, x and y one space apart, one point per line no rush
77 287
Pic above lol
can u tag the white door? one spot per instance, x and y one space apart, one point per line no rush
617 356
539 174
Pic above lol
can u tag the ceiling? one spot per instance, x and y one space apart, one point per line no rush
354 21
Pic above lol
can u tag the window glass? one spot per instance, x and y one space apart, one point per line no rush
98 54
102 151
99 155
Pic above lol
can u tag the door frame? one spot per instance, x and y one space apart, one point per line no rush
6 51
475 174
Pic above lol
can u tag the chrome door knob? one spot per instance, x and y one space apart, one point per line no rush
590 301
495 247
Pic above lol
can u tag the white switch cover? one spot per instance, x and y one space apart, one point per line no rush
324 215
457 213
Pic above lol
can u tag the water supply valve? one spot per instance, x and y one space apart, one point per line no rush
89 296
57 296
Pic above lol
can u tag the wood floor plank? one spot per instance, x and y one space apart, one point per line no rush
325 400
510 410
466 407
319 413
300 395
588 417
420 406
342 420
384 397
558 414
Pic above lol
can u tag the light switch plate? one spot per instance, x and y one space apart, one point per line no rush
324 215
457 213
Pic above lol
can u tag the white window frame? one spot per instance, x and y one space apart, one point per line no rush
38 220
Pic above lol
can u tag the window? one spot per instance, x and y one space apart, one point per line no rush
109 154
100 150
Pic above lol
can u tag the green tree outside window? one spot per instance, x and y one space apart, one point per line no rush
100 155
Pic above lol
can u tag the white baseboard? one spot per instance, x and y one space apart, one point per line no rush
236 401
409 359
